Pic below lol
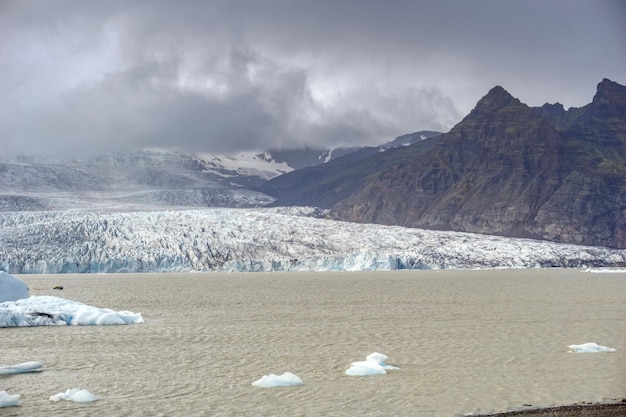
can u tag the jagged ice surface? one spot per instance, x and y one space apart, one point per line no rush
276 239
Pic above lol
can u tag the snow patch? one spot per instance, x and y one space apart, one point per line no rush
244 163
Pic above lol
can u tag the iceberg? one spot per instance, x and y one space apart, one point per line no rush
47 310
605 271
590 348
8 400
18 309
285 380
76 395
20 368
374 364
12 288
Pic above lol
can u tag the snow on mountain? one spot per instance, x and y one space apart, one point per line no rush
135 180
276 239
261 165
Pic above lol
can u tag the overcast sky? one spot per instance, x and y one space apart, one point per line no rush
80 77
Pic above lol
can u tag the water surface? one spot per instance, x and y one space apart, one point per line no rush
465 341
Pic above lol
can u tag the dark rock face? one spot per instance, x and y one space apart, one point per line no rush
505 169
512 170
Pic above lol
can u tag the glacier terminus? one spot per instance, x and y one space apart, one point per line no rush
259 239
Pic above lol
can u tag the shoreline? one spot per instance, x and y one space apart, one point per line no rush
575 410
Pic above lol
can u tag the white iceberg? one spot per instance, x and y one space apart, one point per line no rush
76 395
20 368
285 380
605 271
374 364
47 310
12 288
8 400
590 348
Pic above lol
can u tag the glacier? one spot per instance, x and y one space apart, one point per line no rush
259 239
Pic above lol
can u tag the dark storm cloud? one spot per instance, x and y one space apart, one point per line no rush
218 76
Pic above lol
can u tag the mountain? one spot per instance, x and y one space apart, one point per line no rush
325 185
266 239
505 169
152 178
136 179
309 157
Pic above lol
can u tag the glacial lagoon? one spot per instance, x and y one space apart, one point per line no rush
464 342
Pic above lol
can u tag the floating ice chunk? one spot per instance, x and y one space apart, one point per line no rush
20 368
365 368
47 310
374 364
590 348
76 395
605 271
8 400
12 288
285 380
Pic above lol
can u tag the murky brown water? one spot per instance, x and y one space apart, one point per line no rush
465 341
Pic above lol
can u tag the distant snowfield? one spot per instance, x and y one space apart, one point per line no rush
276 239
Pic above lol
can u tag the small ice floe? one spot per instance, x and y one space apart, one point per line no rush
285 380
8 400
20 368
605 271
590 348
374 364
76 395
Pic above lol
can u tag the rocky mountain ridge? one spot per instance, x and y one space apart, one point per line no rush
505 169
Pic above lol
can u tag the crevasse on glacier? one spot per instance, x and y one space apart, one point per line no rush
276 239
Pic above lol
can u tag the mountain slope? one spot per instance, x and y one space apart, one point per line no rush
325 185
505 169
